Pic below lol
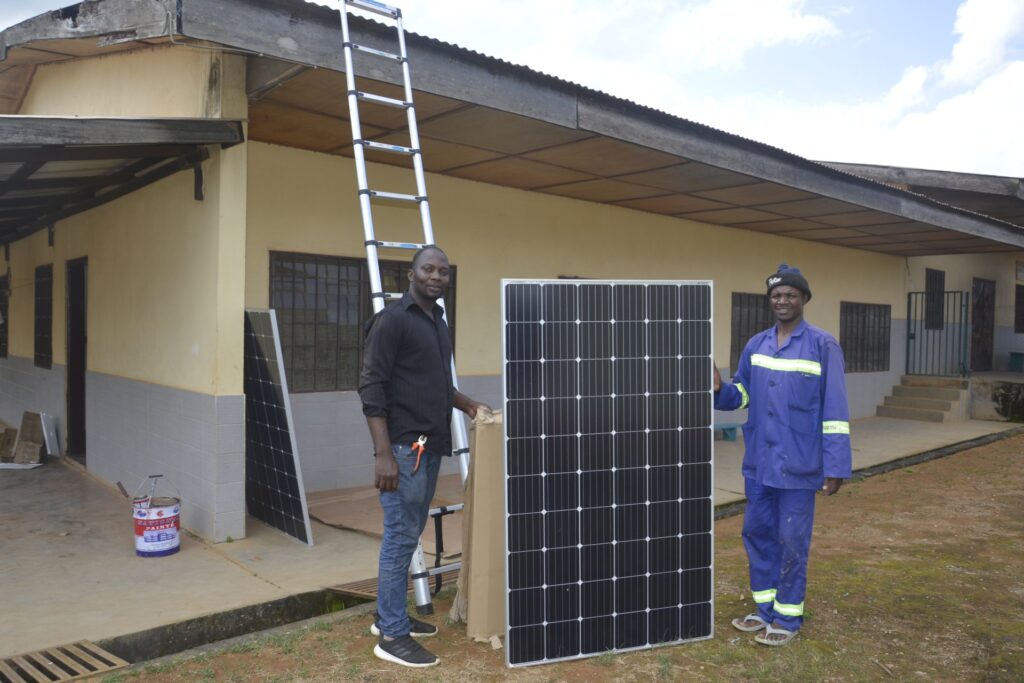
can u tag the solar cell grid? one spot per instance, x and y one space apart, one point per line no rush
608 466
273 481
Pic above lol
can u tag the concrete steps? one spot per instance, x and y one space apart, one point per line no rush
913 402
926 393
927 399
919 414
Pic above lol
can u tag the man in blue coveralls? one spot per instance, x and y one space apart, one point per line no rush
797 439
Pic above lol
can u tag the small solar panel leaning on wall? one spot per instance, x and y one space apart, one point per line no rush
608 481
273 481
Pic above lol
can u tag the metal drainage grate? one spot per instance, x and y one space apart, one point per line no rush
63 663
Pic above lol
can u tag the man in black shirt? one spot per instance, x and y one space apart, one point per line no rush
407 395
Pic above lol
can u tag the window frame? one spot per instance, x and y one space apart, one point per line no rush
744 320
1018 310
345 369
43 295
860 324
934 299
5 313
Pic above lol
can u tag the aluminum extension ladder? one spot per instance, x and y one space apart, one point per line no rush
418 568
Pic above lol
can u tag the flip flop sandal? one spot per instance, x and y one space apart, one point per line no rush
738 624
764 638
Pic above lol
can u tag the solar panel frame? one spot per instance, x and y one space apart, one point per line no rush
258 322
510 424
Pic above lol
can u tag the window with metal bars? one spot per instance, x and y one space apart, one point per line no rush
322 304
44 317
751 313
864 336
934 299
4 321
1018 311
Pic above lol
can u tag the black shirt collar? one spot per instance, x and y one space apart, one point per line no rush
407 301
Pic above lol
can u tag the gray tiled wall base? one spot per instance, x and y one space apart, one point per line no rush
197 441
334 444
23 387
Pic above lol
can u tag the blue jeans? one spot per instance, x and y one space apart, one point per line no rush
777 527
405 516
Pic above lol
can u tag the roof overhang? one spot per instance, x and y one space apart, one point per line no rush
488 120
52 168
1000 197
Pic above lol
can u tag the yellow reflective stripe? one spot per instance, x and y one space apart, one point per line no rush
835 427
786 364
744 394
763 596
789 610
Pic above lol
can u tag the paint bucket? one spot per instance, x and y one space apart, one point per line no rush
157 522
157 527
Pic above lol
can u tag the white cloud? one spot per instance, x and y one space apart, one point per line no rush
14 12
662 34
985 27
720 33
973 131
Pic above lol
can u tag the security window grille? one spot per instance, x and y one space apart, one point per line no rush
3 316
864 336
322 304
934 299
44 317
1018 312
751 313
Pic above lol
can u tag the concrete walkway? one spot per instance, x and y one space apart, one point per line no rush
68 569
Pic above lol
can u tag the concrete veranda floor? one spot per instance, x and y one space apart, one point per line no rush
68 569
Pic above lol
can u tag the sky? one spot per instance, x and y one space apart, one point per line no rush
935 84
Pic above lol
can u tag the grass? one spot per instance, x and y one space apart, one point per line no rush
913 576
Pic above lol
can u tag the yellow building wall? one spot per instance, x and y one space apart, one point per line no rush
166 275
962 269
154 281
164 81
306 202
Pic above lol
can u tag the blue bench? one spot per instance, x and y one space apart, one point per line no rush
728 430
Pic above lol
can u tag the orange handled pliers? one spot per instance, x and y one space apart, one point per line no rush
418 447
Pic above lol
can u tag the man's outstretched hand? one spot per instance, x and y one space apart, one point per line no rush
718 378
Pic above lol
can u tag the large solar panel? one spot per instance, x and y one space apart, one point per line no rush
273 481
608 445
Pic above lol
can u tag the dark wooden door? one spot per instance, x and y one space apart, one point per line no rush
77 339
983 323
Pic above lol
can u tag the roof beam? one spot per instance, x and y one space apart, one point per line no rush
98 153
262 75
40 130
125 19
948 180
310 34
184 162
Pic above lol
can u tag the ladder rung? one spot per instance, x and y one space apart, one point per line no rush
394 195
387 296
384 147
380 99
398 245
375 7
375 51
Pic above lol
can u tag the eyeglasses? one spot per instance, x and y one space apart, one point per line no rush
779 298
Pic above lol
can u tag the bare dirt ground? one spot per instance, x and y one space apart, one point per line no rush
916 575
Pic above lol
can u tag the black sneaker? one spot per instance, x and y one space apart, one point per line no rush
405 651
417 628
